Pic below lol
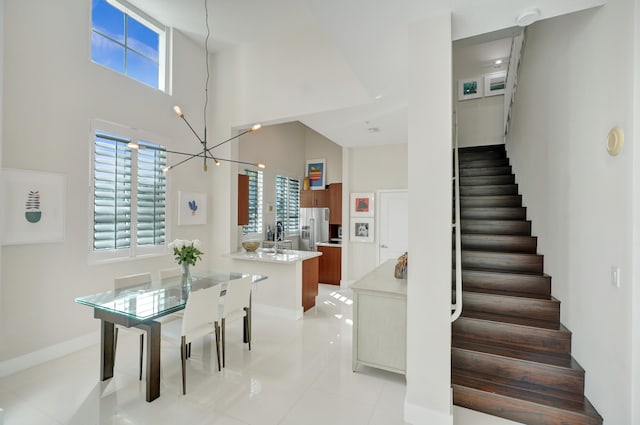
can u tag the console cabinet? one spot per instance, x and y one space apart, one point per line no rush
380 320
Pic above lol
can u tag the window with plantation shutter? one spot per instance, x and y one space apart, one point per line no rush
255 202
288 203
129 195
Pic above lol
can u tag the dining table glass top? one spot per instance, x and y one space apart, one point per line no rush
158 298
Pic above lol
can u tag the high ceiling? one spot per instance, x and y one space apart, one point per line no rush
369 34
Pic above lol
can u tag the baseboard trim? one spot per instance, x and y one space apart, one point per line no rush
52 352
420 415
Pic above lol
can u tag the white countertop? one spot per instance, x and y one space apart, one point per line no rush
335 245
381 279
288 256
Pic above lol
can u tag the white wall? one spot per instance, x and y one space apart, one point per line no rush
480 120
316 147
429 175
575 84
370 169
54 94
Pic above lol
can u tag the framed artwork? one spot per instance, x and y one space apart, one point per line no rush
33 207
316 171
470 88
494 83
362 229
362 205
192 208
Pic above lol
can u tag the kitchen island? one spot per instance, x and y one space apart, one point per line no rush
293 280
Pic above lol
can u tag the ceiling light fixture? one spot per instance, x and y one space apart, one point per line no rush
497 62
206 150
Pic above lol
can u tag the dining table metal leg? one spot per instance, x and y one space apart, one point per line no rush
153 359
107 350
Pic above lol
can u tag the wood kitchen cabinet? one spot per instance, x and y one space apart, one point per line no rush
309 282
335 203
243 199
330 264
314 198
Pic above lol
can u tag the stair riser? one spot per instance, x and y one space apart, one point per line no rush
536 339
491 201
530 308
496 227
528 263
527 374
502 189
498 281
510 213
521 244
517 410
487 180
473 156
484 171
484 163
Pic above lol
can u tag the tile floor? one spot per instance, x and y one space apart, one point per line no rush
298 373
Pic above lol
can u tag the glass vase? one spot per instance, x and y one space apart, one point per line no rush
185 276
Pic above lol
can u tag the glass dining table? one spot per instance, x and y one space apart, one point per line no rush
139 306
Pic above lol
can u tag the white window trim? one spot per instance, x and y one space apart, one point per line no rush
164 40
133 252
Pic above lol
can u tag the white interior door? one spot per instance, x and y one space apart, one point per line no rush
393 221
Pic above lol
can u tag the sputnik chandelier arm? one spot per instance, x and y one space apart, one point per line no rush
206 150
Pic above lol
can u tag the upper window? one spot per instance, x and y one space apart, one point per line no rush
128 42
129 194
255 202
288 203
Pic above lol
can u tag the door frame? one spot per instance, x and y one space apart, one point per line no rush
379 216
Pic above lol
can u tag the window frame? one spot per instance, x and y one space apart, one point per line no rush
132 252
287 232
165 36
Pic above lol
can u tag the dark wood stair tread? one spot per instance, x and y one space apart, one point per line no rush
500 293
559 360
467 201
516 321
499 243
491 279
483 148
522 405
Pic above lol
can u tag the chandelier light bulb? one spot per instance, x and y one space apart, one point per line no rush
260 165
256 127
178 111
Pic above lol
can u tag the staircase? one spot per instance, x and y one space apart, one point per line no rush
511 356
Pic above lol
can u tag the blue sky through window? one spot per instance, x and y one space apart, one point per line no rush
122 43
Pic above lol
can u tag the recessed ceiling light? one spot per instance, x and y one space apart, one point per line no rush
498 62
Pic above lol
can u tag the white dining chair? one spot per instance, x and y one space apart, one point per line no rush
199 320
236 305
125 282
169 273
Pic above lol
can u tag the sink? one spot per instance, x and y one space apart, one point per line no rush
271 251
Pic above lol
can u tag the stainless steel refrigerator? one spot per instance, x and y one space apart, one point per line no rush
314 227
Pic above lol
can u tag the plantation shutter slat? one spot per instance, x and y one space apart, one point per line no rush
112 195
288 203
113 180
151 205
255 202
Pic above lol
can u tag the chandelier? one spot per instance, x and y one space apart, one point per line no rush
206 153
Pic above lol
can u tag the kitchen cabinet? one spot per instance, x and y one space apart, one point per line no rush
243 199
314 198
309 282
330 264
380 320
335 203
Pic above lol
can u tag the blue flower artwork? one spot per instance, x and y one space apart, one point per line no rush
193 207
